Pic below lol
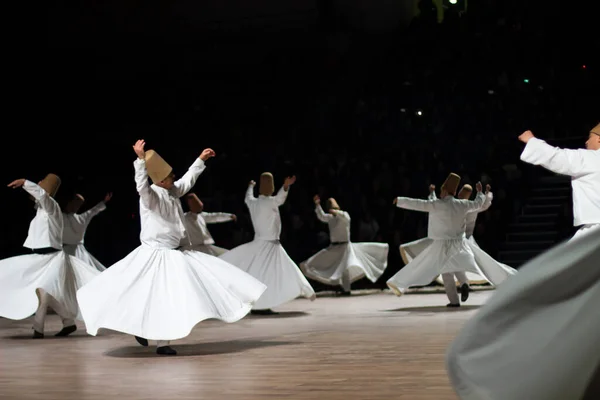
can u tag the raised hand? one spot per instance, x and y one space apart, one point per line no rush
431 188
107 197
233 217
395 200
488 188
206 154
138 147
317 199
16 184
526 136
252 183
289 181
479 187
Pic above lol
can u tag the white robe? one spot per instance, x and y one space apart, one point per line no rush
57 274
265 258
485 262
537 337
583 166
199 237
158 292
344 262
450 251
75 226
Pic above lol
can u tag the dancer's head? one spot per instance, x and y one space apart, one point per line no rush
159 171
194 203
74 204
465 192
593 142
267 185
50 184
450 185
332 204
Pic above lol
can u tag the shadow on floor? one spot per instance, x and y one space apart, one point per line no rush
196 349
280 314
434 309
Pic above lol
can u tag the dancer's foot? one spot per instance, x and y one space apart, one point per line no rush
66 331
37 335
142 341
452 305
268 311
464 292
166 351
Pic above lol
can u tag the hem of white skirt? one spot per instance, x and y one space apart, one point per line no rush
93 330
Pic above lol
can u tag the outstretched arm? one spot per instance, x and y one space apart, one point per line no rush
477 204
218 217
46 201
281 196
188 180
87 216
415 204
561 161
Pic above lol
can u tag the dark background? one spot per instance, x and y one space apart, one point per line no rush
326 90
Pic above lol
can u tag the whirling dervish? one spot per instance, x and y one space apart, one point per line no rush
449 253
196 220
264 257
159 292
344 262
48 278
75 227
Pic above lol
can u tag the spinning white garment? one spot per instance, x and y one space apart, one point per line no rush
58 274
265 258
161 294
79 251
210 249
200 238
75 226
537 337
344 262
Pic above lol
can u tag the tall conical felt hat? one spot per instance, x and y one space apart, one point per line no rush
50 184
194 203
332 204
596 130
466 189
75 204
157 168
267 184
451 183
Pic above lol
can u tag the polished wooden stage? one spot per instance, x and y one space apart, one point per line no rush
375 346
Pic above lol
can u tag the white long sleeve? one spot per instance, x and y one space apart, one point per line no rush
46 228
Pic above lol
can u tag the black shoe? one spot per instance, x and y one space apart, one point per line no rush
263 312
66 331
452 305
37 335
166 351
464 292
142 341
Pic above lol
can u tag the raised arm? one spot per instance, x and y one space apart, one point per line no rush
218 217
188 180
46 201
87 216
489 196
281 196
561 161
147 195
477 204
322 215
250 194
432 195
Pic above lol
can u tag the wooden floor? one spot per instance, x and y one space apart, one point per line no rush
372 347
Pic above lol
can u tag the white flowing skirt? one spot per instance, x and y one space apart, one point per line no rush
58 274
161 294
537 337
441 256
585 230
268 262
79 251
210 249
358 259
410 251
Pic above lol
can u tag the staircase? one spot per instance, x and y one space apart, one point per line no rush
536 228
